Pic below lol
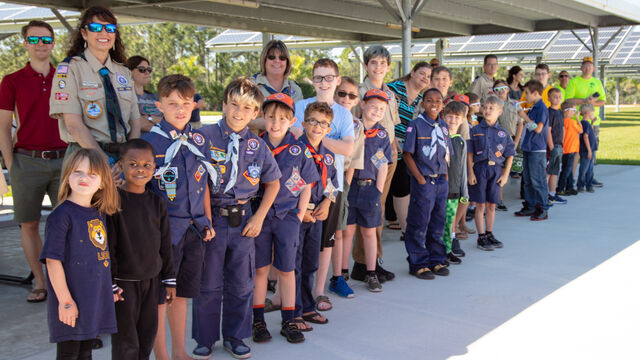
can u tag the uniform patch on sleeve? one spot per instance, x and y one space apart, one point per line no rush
62 84
328 159
62 96
502 134
62 69
307 153
382 134
295 150
198 139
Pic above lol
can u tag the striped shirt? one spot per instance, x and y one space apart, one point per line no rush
405 110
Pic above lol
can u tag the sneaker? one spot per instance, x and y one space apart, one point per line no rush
558 200
560 192
440 270
446 262
402 237
359 271
383 273
237 348
597 183
453 259
259 332
570 192
470 214
590 190
550 200
493 241
291 332
271 285
539 215
424 274
484 244
456 249
340 287
580 190
525 211
373 284
501 206
201 352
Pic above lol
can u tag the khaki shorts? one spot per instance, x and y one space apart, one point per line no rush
30 179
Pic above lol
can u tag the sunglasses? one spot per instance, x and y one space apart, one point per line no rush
314 122
350 95
475 104
500 88
570 109
143 69
36 39
328 78
96 28
273 57
564 76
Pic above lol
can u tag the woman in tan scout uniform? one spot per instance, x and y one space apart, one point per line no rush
82 100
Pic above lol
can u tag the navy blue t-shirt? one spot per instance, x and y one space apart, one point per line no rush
539 113
77 236
556 121
587 129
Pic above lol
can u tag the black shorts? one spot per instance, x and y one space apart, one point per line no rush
400 182
330 225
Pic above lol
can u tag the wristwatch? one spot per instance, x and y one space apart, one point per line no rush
150 118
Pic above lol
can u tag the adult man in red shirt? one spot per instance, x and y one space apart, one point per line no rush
34 153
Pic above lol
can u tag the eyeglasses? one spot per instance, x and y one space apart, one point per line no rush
273 57
570 109
96 28
475 104
350 95
500 88
328 78
143 69
314 122
563 76
36 39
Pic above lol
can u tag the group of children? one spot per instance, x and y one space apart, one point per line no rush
206 214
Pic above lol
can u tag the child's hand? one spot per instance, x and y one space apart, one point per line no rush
502 181
209 234
321 212
253 227
589 155
118 296
421 180
308 217
171 294
472 179
68 312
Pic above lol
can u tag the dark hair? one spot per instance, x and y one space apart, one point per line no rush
376 51
455 107
176 82
415 68
543 67
136 60
567 104
321 107
279 46
534 86
104 14
473 97
36 23
490 56
440 69
348 80
500 81
513 72
430 90
554 90
136 144
324 62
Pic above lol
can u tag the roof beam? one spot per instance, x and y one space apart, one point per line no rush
553 10
467 12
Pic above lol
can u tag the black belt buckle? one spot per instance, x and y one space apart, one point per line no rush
235 215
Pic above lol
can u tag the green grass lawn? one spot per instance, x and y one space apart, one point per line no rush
620 137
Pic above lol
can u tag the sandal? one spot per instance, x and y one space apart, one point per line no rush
321 299
37 295
307 327
269 307
312 317
393 226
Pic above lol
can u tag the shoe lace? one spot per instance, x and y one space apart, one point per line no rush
291 326
260 325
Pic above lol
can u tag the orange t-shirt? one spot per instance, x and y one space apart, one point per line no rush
572 131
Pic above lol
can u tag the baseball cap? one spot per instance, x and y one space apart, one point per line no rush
376 93
587 59
281 98
462 98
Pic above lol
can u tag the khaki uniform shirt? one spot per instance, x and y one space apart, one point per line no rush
77 89
509 119
391 117
356 160
294 90
482 87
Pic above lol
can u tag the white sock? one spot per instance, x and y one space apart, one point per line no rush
552 194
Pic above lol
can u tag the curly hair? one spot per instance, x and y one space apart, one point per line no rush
78 43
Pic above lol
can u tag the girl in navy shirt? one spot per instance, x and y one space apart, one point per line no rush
77 256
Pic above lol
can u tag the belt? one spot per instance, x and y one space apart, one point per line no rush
433 176
367 182
113 148
311 206
41 154
226 211
491 162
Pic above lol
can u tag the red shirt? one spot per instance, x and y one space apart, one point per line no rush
26 93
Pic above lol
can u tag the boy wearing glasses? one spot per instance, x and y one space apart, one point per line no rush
340 139
38 151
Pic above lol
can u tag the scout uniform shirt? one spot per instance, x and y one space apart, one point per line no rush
325 162
509 119
298 170
183 183
429 143
391 117
77 89
377 153
482 86
491 143
242 168
289 87
76 236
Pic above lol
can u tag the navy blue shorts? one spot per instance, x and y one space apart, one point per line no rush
486 189
279 238
364 205
188 258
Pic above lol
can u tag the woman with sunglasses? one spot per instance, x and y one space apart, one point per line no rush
408 92
275 67
514 79
92 94
141 73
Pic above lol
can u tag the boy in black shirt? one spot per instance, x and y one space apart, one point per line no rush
141 255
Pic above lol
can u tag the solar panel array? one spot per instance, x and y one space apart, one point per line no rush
247 38
629 52
567 47
22 12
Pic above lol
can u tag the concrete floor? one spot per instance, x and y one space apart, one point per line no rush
565 288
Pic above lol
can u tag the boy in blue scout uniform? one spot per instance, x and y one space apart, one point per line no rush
244 161
426 153
181 179
279 237
317 124
367 184
490 152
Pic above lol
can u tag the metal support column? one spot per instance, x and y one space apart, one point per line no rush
406 37
617 94
439 50
266 37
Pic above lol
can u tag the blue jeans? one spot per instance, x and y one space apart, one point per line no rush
534 179
565 182
585 173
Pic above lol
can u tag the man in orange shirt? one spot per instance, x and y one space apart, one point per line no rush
570 146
